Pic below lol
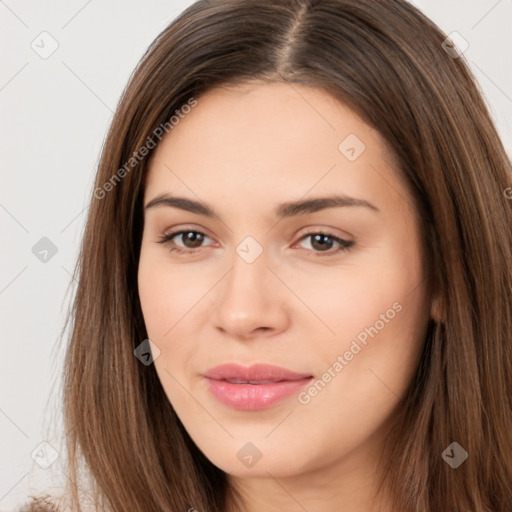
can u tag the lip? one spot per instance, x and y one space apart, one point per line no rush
255 387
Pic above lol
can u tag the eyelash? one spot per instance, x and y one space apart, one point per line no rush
345 245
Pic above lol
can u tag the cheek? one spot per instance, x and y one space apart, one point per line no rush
366 368
156 300
167 292
173 298
347 299
377 315
166 295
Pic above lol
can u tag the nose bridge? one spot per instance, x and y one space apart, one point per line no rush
249 276
249 297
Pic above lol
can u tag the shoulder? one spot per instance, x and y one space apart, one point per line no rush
44 503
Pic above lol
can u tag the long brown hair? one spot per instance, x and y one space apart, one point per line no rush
386 61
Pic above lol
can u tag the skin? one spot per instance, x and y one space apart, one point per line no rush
243 150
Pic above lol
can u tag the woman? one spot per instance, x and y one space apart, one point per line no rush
333 332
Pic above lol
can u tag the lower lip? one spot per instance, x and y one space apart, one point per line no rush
253 397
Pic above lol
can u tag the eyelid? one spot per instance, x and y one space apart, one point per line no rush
184 229
327 230
313 229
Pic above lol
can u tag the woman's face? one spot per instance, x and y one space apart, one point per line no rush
331 290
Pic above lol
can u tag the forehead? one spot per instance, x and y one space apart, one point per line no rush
264 139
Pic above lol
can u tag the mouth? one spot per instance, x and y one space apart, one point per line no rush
257 387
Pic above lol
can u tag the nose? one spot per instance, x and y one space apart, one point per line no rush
251 301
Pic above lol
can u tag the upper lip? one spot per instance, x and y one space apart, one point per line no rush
254 373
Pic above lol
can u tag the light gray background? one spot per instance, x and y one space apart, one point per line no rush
55 114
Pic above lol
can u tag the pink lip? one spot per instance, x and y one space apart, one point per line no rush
263 386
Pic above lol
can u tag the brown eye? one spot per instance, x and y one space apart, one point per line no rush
190 239
323 243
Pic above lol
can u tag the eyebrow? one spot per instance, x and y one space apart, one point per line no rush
283 210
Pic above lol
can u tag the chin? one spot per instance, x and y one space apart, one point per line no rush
258 459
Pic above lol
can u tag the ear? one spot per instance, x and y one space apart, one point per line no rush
437 311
